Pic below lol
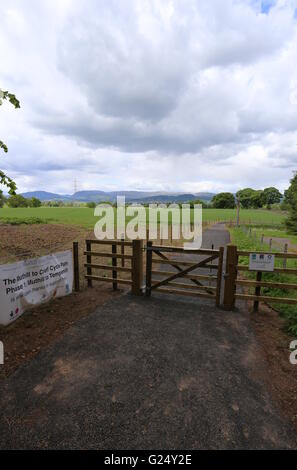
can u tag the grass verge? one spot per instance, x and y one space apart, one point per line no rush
288 312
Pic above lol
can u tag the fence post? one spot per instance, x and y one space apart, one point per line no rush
270 244
230 277
123 251
285 251
89 260
148 278
75 267
114 264
219 276
137 267
257 290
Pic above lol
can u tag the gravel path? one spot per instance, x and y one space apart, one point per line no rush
146 373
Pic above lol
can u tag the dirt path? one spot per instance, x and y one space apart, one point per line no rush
147 373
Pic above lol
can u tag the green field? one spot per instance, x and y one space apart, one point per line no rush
84 216
277 234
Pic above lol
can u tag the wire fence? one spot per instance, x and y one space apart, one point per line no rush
279 246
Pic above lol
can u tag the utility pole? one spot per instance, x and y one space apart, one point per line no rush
238 209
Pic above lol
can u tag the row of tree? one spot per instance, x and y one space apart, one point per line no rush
19 201
249 198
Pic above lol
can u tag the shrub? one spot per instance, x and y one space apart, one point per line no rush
17 201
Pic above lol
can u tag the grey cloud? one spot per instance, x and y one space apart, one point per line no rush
198 88
121 70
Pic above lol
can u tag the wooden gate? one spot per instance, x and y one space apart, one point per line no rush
184 269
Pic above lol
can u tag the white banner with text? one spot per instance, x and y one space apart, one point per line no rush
31 282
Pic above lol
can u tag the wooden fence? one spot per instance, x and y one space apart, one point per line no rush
134 259
232 281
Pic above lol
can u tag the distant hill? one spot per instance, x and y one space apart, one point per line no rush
46 196
205 196
135 196
166 198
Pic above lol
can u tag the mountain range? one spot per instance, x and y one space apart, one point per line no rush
135 196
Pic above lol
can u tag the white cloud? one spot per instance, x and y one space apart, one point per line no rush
164 95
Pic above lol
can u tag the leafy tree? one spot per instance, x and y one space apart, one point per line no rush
4 179
2 199
34 202
291 200
54 203
17 200
223 201
91 205
257 199
245 196
271 196
198 201
250 198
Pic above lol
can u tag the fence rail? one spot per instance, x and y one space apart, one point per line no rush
135 260
232 281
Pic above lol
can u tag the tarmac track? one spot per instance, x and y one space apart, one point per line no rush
147 373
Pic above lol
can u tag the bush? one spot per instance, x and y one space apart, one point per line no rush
24 220
34 202
2 199
291 199
91 205
223 201
17 201
198 201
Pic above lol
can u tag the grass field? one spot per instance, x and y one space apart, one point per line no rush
84 217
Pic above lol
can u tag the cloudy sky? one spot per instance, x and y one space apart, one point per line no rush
173 95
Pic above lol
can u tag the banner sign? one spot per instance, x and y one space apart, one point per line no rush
33 281
261 262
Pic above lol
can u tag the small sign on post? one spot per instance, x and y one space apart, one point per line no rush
261 262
